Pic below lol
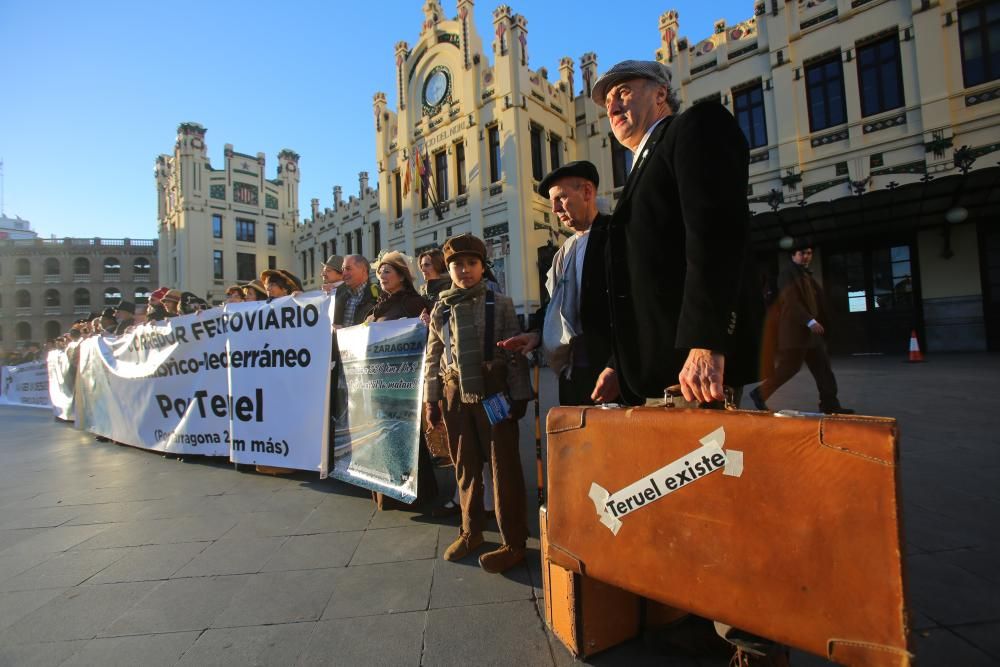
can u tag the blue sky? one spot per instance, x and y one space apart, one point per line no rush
92 92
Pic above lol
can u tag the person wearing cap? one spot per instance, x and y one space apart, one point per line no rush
682 215
357 296
578 337
682 290
125 314
157 295
464 367
801 334
278 283
332 274
254 291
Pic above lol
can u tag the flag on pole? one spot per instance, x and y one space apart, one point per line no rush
406 179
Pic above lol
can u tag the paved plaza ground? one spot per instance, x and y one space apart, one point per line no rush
115 556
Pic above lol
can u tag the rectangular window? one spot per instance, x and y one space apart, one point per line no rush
880 76
348 242
217 264
825 93
398 192
246 266
216 226
537 169
462 186
272 234
333 247
494 140
979 29
748 106
376 239
555 152
441 175
621 162
246 230
357 241
304 267
324 254
272 262
312 262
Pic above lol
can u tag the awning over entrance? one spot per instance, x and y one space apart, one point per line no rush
884 211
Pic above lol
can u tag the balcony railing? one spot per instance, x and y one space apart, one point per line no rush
81 277
52 278
140 277
112 277
81 310
22 280
23 312
53 310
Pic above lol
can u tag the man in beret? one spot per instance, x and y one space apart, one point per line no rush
332 274
578 337
684 304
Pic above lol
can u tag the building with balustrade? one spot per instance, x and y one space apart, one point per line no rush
47 284
220 226
874 128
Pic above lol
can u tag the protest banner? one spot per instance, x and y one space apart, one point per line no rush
62 377
25 384
249 381
279 370
377 429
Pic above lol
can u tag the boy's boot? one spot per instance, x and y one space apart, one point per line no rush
502 559
463 546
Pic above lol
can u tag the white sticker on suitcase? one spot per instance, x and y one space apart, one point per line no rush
705 460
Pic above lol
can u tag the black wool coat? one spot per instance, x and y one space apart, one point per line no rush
680 272
798 306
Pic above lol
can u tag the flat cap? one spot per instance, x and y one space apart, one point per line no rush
257 286
126 307
108 312
464 244
630 69
335 262
398 261
172 295
580 168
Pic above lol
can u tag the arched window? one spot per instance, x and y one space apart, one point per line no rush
23 332
140 266
112 265
52 298
112 296
81 297
141 295
23 298
23 267
81 266
52 330
52 266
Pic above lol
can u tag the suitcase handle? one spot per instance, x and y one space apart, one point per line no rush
673 397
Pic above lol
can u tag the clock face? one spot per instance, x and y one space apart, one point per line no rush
436 87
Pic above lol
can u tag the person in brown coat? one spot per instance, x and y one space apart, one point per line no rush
485 391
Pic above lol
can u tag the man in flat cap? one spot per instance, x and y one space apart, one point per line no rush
357 296
683 301
683 298
125 314
332 274
576 333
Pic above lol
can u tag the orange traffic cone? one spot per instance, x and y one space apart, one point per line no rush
915 353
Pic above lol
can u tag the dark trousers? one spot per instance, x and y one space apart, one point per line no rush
789 362
576 389
471 439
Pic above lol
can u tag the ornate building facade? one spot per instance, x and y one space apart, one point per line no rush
220 226
874 128
47 284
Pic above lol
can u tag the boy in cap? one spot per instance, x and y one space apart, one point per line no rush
485 391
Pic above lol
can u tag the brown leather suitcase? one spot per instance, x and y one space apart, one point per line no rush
586 615
783 526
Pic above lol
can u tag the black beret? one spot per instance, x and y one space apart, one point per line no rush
580 168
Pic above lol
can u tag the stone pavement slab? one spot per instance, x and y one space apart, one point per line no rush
312 552
280 597
513 631
149 563
146 650
252 645
383 588
385 639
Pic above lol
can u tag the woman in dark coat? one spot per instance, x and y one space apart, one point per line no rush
400 300
431 263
